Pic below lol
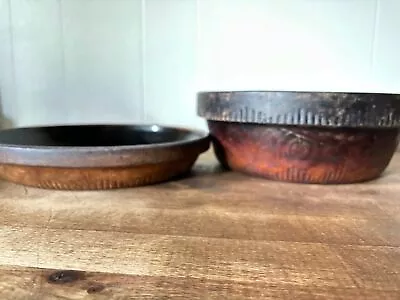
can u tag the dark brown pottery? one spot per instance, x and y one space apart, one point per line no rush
324 138
306 155
88 157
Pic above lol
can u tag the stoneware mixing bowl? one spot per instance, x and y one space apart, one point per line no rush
303 137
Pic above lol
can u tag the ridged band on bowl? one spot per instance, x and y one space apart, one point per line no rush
304 155
361 110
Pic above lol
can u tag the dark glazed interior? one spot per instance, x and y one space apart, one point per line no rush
94 135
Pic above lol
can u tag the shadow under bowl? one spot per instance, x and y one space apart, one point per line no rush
304 154
93 157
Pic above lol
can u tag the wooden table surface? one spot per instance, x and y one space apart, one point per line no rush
214 235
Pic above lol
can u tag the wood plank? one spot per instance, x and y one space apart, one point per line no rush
206 236
300 264
27 283
201 206
202 220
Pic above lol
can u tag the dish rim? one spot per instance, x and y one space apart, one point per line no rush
104 156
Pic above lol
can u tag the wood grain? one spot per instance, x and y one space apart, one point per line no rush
213 235
27 283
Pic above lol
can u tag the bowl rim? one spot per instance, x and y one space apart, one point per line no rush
322 109
203 92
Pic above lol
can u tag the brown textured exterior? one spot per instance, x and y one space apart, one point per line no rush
304 154
94 178
97 167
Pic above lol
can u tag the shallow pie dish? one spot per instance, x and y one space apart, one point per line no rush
303 137
90 157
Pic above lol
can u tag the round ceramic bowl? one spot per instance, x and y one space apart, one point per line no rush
90 157
321 138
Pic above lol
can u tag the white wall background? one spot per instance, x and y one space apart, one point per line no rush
69 61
